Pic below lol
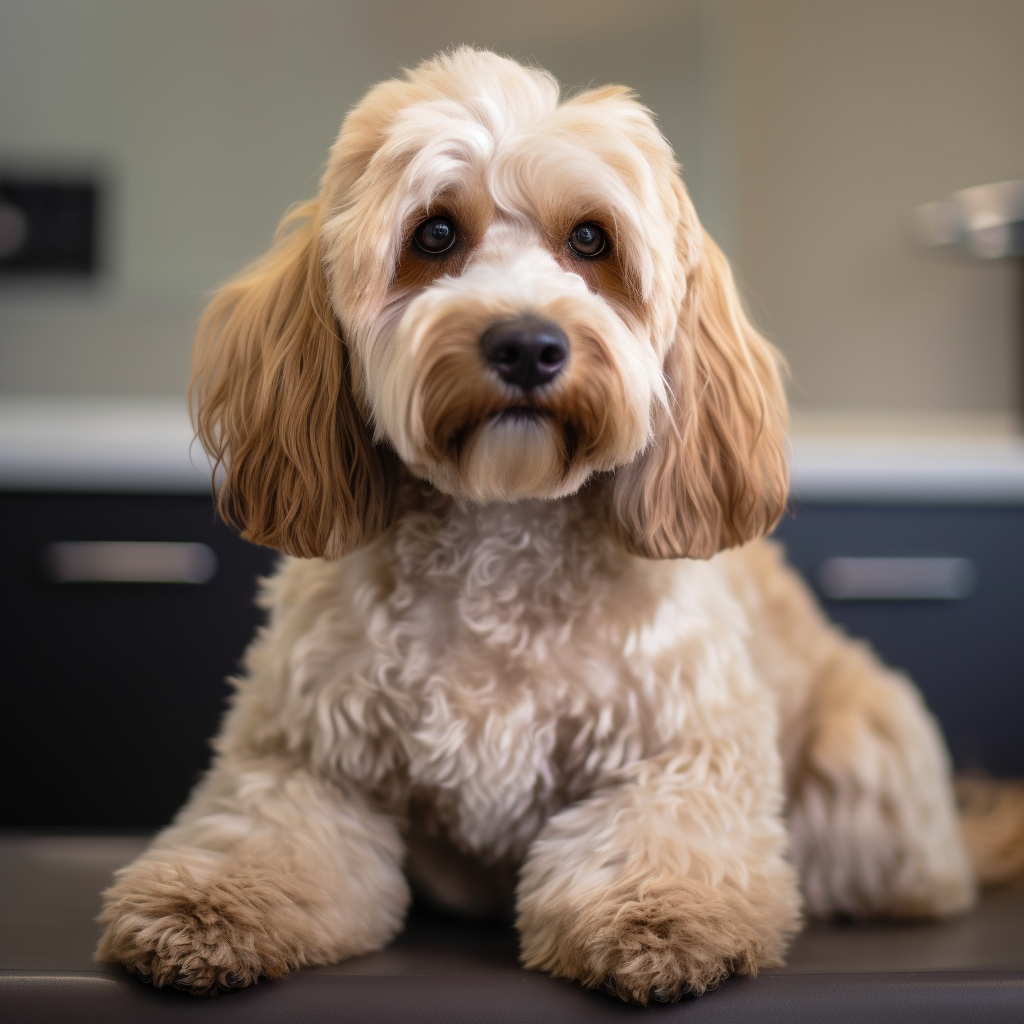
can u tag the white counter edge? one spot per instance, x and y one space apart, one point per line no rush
147 445
116 445
969 469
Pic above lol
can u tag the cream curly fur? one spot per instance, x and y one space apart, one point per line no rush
513 667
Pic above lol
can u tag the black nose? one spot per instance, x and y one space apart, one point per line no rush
526 351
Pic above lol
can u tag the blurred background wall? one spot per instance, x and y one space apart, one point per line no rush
808 130
850 115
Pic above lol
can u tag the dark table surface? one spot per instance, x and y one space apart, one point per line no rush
446 970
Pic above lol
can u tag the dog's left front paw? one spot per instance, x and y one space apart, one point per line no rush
660 945
658 948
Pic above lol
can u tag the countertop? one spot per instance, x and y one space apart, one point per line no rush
147 445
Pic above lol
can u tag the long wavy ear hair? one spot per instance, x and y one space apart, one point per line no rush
716 474
273 405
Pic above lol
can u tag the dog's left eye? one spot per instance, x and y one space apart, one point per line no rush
588 240
434 236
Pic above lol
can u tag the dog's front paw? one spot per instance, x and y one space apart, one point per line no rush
659 943
171 928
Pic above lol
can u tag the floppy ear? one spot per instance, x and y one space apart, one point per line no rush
716 473
273 405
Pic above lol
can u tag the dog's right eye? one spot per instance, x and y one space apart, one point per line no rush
435 236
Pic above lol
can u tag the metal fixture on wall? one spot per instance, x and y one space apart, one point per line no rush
984 222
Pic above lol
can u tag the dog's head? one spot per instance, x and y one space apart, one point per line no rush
510 295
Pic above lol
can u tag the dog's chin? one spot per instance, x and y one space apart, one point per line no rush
514 455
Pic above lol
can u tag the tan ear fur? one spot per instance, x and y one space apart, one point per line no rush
273 405
716 474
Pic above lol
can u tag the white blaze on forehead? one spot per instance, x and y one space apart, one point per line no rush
501 94
510 273
515 246
442 139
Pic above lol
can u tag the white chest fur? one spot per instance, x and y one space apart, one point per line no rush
498 663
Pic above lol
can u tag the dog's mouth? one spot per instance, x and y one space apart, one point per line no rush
511 416
510 452
516 415
519 414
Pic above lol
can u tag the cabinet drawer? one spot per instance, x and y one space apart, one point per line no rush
113 686
963 647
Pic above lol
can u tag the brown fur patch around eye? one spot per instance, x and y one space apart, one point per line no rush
470 212
607 275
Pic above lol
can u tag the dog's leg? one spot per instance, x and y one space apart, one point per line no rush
873 819
874 824
266 869
671 877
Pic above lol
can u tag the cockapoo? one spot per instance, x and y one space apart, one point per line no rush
495 393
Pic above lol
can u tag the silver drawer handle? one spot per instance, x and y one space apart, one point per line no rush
896 579
129 562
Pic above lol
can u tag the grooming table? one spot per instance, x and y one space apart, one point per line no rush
442 970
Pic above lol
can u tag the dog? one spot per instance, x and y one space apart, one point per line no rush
496 396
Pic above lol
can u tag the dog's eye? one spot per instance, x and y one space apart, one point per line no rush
587 240
434 236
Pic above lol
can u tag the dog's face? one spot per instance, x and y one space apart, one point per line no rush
507 273
512 295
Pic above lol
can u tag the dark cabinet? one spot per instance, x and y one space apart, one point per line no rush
112 690
964 649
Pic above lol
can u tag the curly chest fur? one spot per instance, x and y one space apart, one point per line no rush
491 665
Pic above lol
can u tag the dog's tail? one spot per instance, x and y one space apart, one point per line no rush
992 822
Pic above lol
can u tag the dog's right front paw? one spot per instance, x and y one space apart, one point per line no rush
169 928
216 968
